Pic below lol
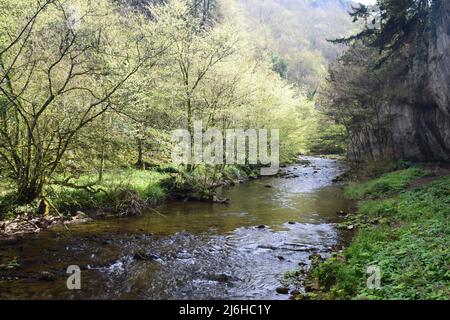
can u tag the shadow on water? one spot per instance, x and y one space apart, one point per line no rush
192 251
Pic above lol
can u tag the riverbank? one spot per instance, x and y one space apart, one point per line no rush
122 193
401 237
126 192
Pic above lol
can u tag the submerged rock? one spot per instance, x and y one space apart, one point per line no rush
342 213
80 217
46 276
143 256
221 277
216 199
282 290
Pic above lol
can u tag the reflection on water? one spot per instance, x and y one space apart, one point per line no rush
192 251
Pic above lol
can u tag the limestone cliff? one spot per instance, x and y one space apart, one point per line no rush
419 118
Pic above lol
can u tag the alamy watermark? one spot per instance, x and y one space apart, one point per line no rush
234 146
74 280
374 279
73 17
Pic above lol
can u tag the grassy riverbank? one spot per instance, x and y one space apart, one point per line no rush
125 192
86 191
402 227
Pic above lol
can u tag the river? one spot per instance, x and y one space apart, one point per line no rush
188 250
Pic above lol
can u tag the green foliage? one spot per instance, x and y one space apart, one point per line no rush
297 32
11 265
387 184
280 66
378 208
147 184
9 208
90 90
411 247
392 24
330 138
291 277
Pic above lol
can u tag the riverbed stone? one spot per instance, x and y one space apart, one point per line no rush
143 256
46 276
282 290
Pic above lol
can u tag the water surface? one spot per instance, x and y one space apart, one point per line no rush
191 250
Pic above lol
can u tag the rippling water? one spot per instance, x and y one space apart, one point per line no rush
192 251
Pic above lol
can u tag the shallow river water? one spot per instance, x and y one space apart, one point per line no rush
191 250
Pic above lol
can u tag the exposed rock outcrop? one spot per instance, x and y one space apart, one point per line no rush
439 59
419 119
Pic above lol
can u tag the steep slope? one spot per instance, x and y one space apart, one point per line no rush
296 32
419 115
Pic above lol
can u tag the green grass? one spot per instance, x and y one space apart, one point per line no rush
378 208
147 184
122 188
407 235
388 183
150 186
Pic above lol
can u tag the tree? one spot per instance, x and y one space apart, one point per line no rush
195 51
392 24
59 72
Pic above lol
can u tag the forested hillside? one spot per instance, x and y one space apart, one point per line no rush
296 32
294 35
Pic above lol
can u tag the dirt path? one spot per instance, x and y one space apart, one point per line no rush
437 171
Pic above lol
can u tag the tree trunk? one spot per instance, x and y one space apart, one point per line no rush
102 162
140 162
28 191
190 166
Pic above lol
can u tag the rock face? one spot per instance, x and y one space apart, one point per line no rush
439 59
419 121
